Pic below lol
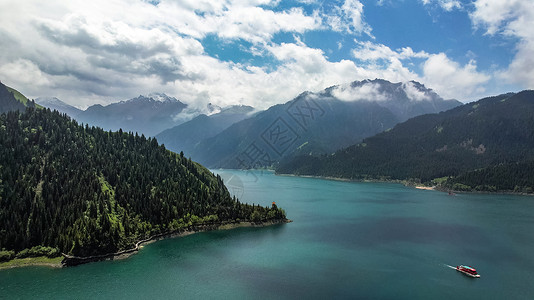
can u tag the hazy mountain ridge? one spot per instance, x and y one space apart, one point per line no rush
186 136
55 104
147 115
319 122
487 136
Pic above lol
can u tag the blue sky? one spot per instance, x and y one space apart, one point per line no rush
262 52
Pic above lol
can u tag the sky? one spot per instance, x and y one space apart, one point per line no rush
261 52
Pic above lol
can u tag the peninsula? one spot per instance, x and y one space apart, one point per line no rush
85 192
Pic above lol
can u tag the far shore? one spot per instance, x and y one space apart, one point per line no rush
340 178
422 187
409 184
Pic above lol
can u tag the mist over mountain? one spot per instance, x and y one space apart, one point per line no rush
315 123
186 136
55 104
486 145
404 99
146 115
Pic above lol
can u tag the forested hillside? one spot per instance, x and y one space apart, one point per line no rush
87 191
487 145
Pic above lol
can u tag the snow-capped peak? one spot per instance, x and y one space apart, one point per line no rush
161 97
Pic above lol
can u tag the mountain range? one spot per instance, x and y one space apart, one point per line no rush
487 145
318 123
55 104
344 115
147 115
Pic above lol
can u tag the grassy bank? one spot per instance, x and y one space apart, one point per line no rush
32 261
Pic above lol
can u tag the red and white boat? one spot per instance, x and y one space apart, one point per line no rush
467 270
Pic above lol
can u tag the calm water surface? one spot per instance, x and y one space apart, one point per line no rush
347 241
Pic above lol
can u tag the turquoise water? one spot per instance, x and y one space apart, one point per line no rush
347 241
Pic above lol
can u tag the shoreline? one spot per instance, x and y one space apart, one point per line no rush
409 184
403 182
344 179
68 260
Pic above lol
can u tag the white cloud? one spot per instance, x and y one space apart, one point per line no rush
452 80
365 92
383 62
234 19
103 51
258 25
447 5
515 19
348 18
369 91
87 52
414 93
25 73
369 51
494 15
439 72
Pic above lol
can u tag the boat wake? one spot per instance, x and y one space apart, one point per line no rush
449 266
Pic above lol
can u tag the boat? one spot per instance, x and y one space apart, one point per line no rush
468 270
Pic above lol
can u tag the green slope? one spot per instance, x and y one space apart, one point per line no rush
86 191
11 99
20 97
486 145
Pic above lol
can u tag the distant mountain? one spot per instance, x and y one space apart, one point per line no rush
487 145
318 123
186 136
404 100
12 100
147 115
55 104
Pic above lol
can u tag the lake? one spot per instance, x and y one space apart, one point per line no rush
348 240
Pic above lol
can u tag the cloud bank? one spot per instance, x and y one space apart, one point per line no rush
87 52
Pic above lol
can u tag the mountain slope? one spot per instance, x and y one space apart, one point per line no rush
11 100
472 143
186 136
86 191
147 115
318 123
55 104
